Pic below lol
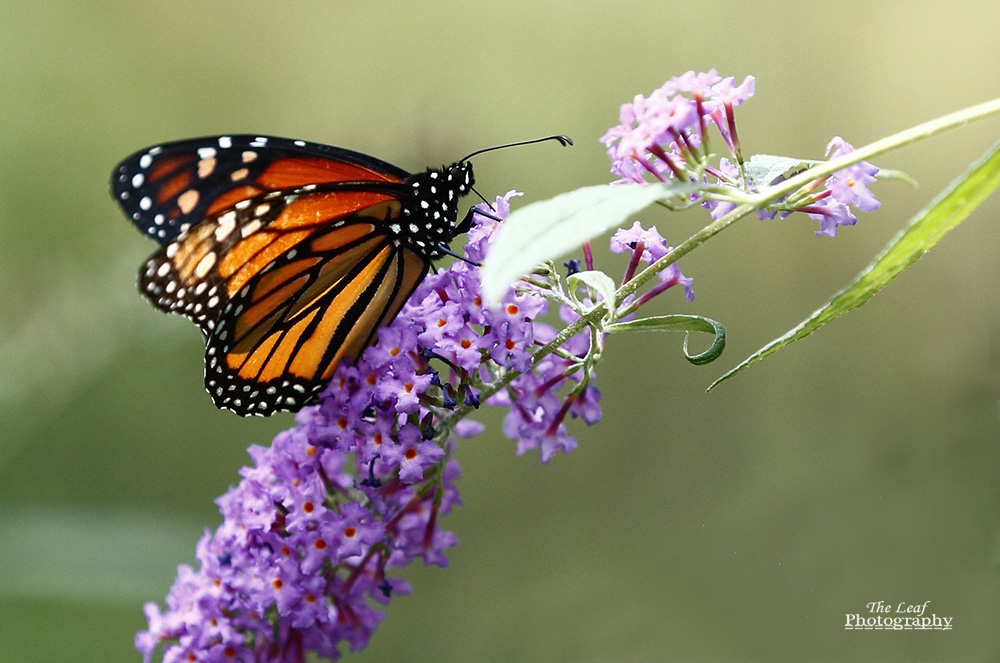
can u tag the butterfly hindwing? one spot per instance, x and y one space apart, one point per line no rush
284 287
282 336
206 265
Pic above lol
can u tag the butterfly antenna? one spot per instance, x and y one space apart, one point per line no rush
448 252
563 140
483 199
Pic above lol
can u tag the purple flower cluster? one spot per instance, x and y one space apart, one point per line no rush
663 136
648 246
830 205
848 186
357 487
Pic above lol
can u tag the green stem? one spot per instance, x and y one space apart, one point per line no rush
690 244
879 147
785 187
751 203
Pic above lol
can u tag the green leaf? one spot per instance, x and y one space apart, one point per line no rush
599 281
685 323
950 208
551 228
763 169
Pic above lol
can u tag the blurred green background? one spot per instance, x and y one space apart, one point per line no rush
741 525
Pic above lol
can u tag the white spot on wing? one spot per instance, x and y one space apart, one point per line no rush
205 167
226 224
251 228
205 265
187 200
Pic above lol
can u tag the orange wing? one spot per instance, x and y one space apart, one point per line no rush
284 288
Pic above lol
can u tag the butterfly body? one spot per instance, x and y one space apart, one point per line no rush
287 255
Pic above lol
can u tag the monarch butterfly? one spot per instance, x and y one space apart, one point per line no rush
288 255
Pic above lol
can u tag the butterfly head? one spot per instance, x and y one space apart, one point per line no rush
428 222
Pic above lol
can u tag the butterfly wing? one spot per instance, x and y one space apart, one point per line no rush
280 351
284 286
167 189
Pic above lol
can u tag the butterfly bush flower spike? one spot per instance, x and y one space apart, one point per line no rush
315 531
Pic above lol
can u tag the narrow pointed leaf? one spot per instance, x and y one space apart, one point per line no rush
923 232
684 323
551 228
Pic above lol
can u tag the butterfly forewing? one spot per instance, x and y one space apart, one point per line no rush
169 188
